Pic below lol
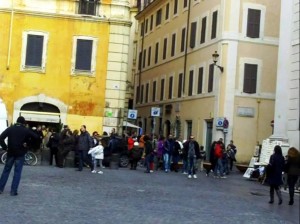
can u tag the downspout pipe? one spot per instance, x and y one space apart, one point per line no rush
10 35
186 46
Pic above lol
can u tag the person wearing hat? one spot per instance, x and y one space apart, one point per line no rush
18 136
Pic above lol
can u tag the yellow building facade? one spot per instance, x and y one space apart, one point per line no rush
195 92
65 62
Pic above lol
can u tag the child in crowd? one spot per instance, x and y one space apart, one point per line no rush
97 155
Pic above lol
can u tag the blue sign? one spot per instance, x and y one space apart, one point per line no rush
132 114
155 111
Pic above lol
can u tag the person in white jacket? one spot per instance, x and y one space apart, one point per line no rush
97 155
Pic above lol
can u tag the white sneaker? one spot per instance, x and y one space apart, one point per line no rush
195 176
151 171
100 172
184 173
189 176
94 171
223 177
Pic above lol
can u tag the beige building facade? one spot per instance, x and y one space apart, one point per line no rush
177 73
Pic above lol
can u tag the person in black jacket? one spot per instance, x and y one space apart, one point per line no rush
148 153
192 150
53 146
18 136
274 176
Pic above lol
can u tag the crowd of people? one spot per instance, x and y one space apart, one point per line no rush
156 153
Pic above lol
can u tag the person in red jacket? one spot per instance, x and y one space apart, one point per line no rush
219 147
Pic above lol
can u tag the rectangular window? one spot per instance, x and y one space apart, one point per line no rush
140 60
182 40
158 17
191 82
175 7
147 93
154 92
34 50
203 30
162 89
189 128
84 55
137 99
253 23
165 48
151 22
214 25
250 78
185 3
170 87
146 26
142 94
193 34
87 7
180 79
167 11
200 80
149 56
173 44
156 52
144 58
142 29
211 78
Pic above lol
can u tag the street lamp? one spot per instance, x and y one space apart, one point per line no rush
215 59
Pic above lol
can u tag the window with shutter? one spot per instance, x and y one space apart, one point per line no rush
214 25
170 87
147 93
162 88
142 94
191 82
137 99
154 92
165 48
84 55
167 11
185 3
149 56
173 44
34 50
144 58
203 30
193 34
151 22
158 17
87 7
200 80
140 60
211 78
175 7
253 23
250 78
182 40
156 52
180 79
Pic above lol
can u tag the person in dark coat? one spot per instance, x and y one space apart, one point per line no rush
148 153
53 146
212 158
66 144
192 150
292 168
274 175
168 152
18 137
84 143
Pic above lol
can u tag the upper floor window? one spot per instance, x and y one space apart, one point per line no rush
158 17
180 84
185 4
182 40
147 93
146 26
214 25
171 87
165 48
87 7
203 30
191 83
200 80
162 89
253 23
84 55
250 78
193 34
154 91
151 22
211 78
144 58
149 56
175 7
142 29
173 44
156 52
167 11
142 94
34 51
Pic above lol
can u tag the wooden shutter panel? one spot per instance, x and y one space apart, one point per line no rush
203 30
253 23
191 82
200 80
211 78
193 34
250 78
180 85
170 87
182 40
154 91
214 25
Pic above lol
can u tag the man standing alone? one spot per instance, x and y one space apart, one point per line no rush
18 136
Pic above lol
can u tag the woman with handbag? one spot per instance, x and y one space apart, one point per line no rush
274 174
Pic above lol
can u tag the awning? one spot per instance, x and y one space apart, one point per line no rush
125 123
41 116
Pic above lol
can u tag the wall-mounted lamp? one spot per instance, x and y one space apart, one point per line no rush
215 59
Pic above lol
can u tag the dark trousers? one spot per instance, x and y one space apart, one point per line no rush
278 192
84 158
133 163
291 181
53 152
10 161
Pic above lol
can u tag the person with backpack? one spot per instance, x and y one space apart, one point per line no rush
218 153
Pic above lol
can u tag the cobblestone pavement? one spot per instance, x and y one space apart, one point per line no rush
49 195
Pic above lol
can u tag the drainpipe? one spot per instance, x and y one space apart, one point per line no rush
10 35
186 46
